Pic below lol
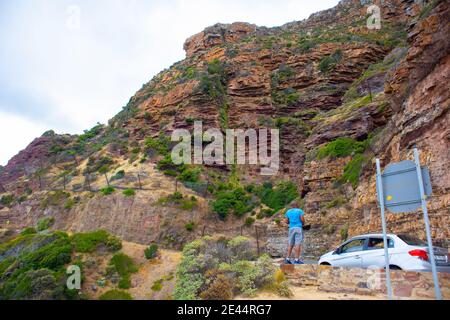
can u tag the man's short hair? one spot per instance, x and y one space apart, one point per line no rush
295 204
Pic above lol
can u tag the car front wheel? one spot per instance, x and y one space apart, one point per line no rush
394 268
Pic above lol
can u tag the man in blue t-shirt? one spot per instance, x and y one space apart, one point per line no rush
295 217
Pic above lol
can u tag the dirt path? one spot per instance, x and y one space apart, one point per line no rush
160 271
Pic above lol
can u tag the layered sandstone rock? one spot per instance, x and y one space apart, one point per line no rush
217 35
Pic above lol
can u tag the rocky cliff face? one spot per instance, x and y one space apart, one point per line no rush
319 80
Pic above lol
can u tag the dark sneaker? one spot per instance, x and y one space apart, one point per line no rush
298 262
287 261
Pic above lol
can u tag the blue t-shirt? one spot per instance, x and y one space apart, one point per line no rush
294 218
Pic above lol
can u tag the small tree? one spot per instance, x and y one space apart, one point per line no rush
64 175
87 179
151 252
39 173
104 170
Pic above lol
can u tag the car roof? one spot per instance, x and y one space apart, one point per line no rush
373 235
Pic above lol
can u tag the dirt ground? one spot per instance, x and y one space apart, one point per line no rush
310 293
160 270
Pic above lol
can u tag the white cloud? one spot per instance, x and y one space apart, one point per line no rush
17 133
67 79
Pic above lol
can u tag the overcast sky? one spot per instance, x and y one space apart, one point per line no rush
66 65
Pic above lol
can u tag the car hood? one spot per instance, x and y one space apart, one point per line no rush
327 255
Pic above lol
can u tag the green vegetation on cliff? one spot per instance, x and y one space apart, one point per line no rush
342 147
124 266
90 241
238 200
33 266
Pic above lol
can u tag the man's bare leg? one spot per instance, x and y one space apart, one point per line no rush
289 253
298 252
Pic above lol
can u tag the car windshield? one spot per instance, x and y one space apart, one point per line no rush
411 240
353 246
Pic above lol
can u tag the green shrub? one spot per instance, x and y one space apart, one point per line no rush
342 147
42 284
129 193
28 231
279 196
428 8
212 83
116 295
95 164
107 191
69 204
188 203
35 267
55 199
7 200
215 67
167 165
205 260
151 252
328 63
235 201
329 229
187 286
119 175
22 198
250 277
287 97
240 248
45 223
190 175
305 45
189 73
92 133
160 144
190 226
157 285
125 282
51 256
184 203
352 171
124 266
249 221
88 242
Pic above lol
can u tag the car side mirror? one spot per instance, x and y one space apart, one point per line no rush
337 251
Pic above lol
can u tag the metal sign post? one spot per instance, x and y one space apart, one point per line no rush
383 222
403 187
427 225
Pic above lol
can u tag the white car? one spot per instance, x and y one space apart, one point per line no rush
405 253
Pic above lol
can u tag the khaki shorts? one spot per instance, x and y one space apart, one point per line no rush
295 236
